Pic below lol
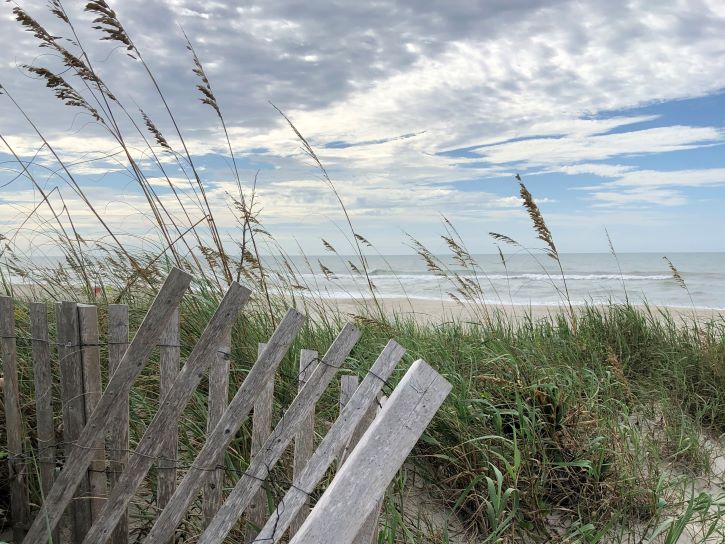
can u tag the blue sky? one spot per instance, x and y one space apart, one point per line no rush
613 113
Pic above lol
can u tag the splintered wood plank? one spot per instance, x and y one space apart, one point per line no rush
43 377
352 495
17 472
109 405
92 388
218 401
261 427
117 435
334 441
305 437
224 432
171 408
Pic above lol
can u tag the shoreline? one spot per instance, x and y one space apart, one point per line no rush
428 311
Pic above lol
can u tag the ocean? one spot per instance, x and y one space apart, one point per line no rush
525 280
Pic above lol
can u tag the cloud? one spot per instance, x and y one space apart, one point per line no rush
402 100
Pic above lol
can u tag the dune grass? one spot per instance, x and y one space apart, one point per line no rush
547 435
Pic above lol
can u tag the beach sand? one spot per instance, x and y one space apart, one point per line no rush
428 311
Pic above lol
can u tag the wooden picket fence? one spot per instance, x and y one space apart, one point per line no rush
100 476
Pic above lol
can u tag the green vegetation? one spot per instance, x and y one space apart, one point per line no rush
547 435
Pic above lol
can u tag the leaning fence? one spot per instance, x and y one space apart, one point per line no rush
86 500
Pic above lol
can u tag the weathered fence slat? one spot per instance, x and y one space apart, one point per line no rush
335 439
261 427
17 471
218 401
219 438
92 388
109 405
169 358
272 450
305 437
353 493
368 533
117 435
43 378
172 406
74 413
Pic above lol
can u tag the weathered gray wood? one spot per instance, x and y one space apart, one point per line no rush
348 384
17 471
43 378
74 412
353 493
171 408
117 435
218 401
335 439
223 433
368 533
92 388
261 427
305 437
259 466
109 405
170 355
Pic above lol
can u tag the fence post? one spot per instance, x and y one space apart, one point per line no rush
305 437
76 465
13 420
74 409
261 427
363 478
43 377
117 435
92 389
218 400
170 355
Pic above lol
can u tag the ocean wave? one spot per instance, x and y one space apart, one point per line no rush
417 276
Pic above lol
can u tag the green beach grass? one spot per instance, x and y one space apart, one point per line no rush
606 435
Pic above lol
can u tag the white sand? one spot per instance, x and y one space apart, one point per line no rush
439 311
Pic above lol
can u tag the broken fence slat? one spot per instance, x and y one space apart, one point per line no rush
335 439
353 493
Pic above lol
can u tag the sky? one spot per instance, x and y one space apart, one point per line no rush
612 112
